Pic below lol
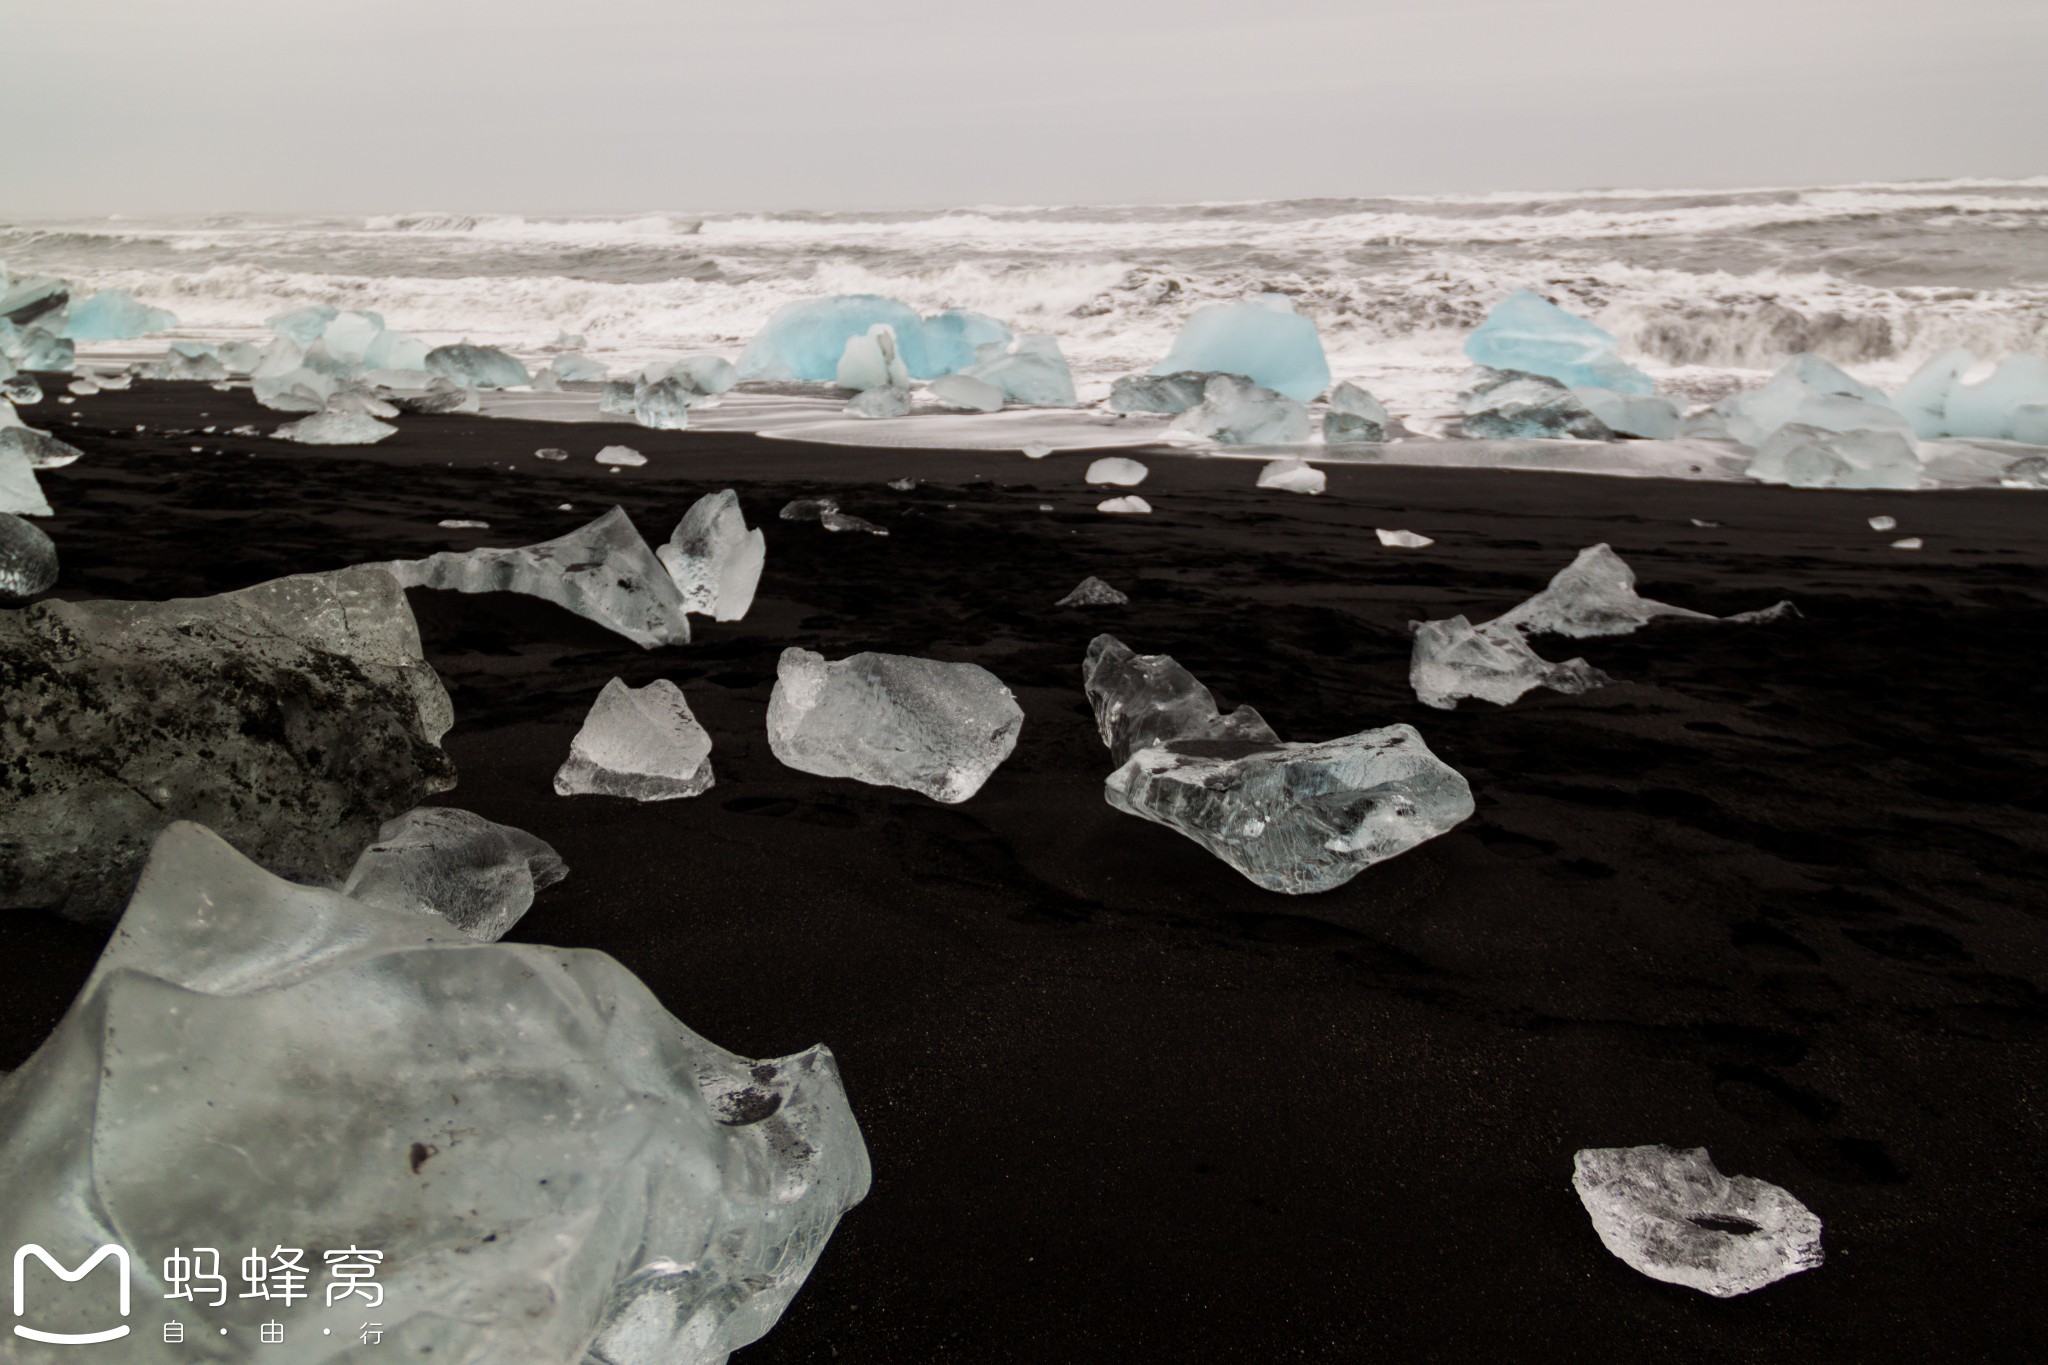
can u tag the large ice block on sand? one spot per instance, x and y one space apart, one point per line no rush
1167 394
39 448
603 572
714 559
1529 333
890 400
1595 595
1814 457
1502 405
295 717
349 336
396 352
1453 659
1631 414
642 743
1809 391
1990 407
1234 412
552 1167
1141 700
872 361
477 875
477 367
1264 341
804 340
1670 1213
1355 417
28 560
1032 372
954 339
1923 399
892 721
114 315
336 428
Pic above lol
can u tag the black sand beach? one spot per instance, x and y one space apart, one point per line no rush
1779 892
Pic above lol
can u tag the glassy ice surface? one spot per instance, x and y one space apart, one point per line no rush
804 340
714 559
663 405
1923 399
1990 407
893 721
1264 341
20 492
1032 372
188 360
477 367
39 448
1629 414
1355 417
642 743
1815 457
890 400
1453 660
123 716
303 325
1235 412
1118 471
44 352
1130 505
807 509
336 429
1141 700
28 560
1809 391
573 367
554 1167
603 572
1293 476
624 456
114 315
1093 592
964 393
872 361
954 339
832 519
1168 394
1596 595
30 298
396 351
1502 405
1529 333
478 875
1669 1213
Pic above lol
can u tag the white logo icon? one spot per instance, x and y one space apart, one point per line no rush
21 1256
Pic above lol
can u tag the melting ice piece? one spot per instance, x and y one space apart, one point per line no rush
1236 412
1032 372
1117 470
1402 540
624 456
84 388
28 561
434 860
603 572
1909 543
714 559
955 338
890 400
1453 659
1811 392
1090 592
1037 451
553 453
1669 1213
336 429
832 519
664 404
1170 394
1355 417
871 361
396 352
965 393
1595 595
627 1191
114 315
1529 333
39 448
348 337
303 325
20 492
805 339
477 367
1631 414
642 743
1882 523
1129 505
1814 457
892 721
1142 700
1990 408
573 367
1264 341
1923 399
1293 476
1296 818
1502 405
808 509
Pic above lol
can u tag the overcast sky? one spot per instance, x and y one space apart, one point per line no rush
603 106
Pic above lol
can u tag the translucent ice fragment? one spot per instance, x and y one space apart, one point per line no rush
871 361
1529 333
478 875
807 509
1909 543
1884 523
1032 372
188 360
664 404
714 559
1141 700
1236 412
1264 341
1631 414
1815 457
1036 450
1595 595
953 340
1669 1213
336 429
114 315
396 351
1128 505
1169 394
890 400
1988 408
573 367
832 519
477 367
804 340
964 393
1501 405
624 456
1293 476
303 325
1117 470
39 448
20 492
554 454
28 561
1401 540
44 352
1093 592
1453 659
642 743
1809 391
1355 417
1923 399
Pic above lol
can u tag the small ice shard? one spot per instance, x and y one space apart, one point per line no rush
1032 372
1401 540
40 448
1143 700
871 361
1117 470
1093 592
477 367
1988 408
1128 505
1355 417
808 509
554 453
356 398
44 352
641 743
1293 476
459 524
189 361
1502 405
25 300
603 572
714 559
28 561
114 315
1492 662
83 388
1923 399
1882 523
965 393
1037 450
805 340
1631 414
902 485
1909 543
1814 457
832 519
956 338
1166 394
478 875
1595 595
1669 1213
1046 507
336 429
20 492
573 367
1236 412
889 400
893 721
1528 333
1264 341
621 455
1809 391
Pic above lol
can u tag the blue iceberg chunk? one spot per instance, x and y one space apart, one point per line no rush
1033 373
303 325
1264 341
804 340
114 315
1529 333
481 367
952 338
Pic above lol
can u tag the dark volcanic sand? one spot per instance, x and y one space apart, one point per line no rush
1778 893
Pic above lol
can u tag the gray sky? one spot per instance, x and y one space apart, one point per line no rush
600 106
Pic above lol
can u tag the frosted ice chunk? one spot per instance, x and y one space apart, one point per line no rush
603 572
396 351
192 361
83 388
1142 700
618 398
1355 417
664 404
356 398
1264 341
477 367
804 340
1629 414
573 367
45 353
114 315
36 296
447 397
1528 333
348 336
553 1167
1814 457
1293 476
39 448
20 492
1117 470
1923 399
336 429
477 875
1128 505
296 716
552 453
1988 408
28 560
1236 412
892 721
22 389
1670 1213
1884 523
1169 394
1453 659
642 743
1093 592
1595 595
303 325
1502 405
871 361
955 338
890 400
964 393
714 559
832 519
1909 543
1032 372
1401 540
807 509
1811 392
624 456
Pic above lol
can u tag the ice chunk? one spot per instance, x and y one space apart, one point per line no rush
83 388
1170 394
1814 457
552 453
336 429
1884 523
892 721
1032 372
1401 540
2030 423
1293 476
114 315
1142 700
348 337
664 404
1236 412
396 351
45 353
573 367
1296 818
641 743
1355 417
603 571
303 325
36 296
28 561
1093 592
804 340
624 456
1452 659
1036 450
20 492
477 367
1502 405
462 524
1117 470
447 397
1909 543
890 400
1669 1213
954 339
477 875
1630 414
39 448
808 509
964 393
356 398
1128 505
1595 595
1988 408
192 361
1809 391
1264 341
871 361
22 389
714 559
619 398
295 716
1923 399
1528 333
832 519
550 1166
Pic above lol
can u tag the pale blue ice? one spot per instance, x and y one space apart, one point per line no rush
1264 341
1527 332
